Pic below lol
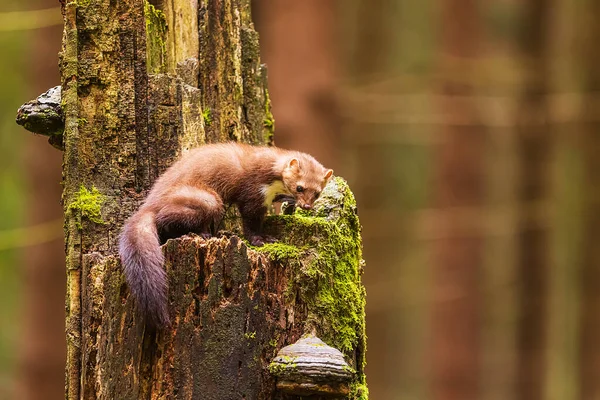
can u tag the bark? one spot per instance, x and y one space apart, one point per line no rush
232 307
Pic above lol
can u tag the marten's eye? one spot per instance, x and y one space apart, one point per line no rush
317 194
299 189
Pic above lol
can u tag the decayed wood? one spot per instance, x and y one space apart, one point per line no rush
232 307
182 39
227 304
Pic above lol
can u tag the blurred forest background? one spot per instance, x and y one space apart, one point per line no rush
470 133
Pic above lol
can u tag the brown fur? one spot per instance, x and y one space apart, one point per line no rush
190 197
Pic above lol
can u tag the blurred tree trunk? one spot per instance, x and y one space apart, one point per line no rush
42 346
388 155
299 43
130 110
534 146
459 184
589 350
12 201
497 94
566 195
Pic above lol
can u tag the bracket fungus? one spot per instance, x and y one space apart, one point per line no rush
44 116
310 367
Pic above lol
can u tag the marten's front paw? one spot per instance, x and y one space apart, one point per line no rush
288 207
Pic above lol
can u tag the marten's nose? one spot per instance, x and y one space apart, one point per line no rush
307 206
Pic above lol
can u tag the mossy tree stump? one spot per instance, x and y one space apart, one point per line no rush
141 84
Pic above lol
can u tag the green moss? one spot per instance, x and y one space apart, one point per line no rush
349 369
156 33
327 240
250 335
289 359
87 204
279 369
206 116
276 368
282 365
359 391
269 120
280 251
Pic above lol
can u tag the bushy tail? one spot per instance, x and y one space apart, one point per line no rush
143 261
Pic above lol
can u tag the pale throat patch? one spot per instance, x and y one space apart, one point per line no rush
272 190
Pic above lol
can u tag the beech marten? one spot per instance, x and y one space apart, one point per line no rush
192 194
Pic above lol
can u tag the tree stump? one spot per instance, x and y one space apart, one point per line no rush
141 84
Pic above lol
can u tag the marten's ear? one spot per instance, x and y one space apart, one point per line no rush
293 164
328 174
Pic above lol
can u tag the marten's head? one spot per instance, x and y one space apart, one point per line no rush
304 177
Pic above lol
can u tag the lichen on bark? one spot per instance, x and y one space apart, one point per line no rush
156 32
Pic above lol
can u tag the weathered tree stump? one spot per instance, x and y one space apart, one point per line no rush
232 307
141 86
